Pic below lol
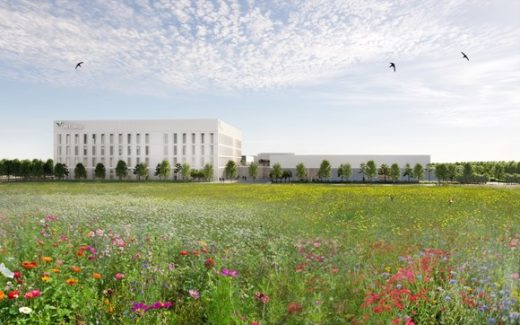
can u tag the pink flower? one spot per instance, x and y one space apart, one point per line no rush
119 276
262 297
194 294
228 272
32 294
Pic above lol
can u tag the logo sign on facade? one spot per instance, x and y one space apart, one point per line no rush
69 126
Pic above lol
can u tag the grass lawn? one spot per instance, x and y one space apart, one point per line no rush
164 253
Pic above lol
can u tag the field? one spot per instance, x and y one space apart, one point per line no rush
160 253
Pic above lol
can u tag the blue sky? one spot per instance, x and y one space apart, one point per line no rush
304 76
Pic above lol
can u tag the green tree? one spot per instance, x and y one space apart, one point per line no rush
231 170
61 170
121 169
467 172
325 171
48 168
8 168
384 171
395 172
37 168
452 171
277 172
418 171
408 171
25 168
80 171
164 169
140 170
441 172
100 171
371 169
301 171
430 168
363 170
286 174
185 171
253 170
208 172
498 172
344 171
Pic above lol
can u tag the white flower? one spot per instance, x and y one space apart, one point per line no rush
6 272
25 310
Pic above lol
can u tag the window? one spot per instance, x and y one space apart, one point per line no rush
183 150
166 151
147 161
93 150
129 136
174 162
138 150
59 138
76 151
174 150
165 138
102 138
202 150
137 161
102 150
67 150
120 151
129 151
111 138
85 161
93 162
85 139
175 138
111 162
85 150
211 138
138 138
193 138
202 162
211 152
193 150
129 161
76 139
59 151
68 139
146 150
120 138
93 139
146 138
111 150
202 138
184 138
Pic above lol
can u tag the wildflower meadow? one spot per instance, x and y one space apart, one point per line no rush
161 253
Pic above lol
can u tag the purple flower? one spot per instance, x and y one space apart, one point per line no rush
228 272
139 307
159 305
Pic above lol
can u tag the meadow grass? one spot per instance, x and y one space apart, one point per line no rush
168 253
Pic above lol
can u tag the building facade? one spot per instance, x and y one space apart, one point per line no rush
196 142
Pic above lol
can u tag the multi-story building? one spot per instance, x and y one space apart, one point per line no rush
196 142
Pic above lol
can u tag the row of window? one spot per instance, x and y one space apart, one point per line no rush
129 138
129 150
112 162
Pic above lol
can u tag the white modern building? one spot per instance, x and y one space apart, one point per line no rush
193 141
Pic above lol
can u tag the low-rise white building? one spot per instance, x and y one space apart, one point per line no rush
193 141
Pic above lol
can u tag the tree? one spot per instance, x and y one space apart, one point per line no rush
452 171
498 172
441 172
384 170
185 171
37 168
177 169
286 174
80 171
371 169
467 172
429 169
25 168
363 170
344 171
408 171
231 170
301 171
121 169
61 170
140 170
8 168
418 171
100 171
325 170
48 168
157 170
395 172
277 172
253 170
208 172
164 169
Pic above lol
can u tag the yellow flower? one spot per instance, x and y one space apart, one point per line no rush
72 281
46 278
46 259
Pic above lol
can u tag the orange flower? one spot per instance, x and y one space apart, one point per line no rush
46 259
96 276
55 270
2 295
72 281
79 253
29 265
76 269
196 252
46 278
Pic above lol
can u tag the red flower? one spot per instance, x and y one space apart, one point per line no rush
262 297
32 294
185 253
209 263
13 294
29 265
294 308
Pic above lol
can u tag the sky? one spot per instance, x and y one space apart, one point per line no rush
303 76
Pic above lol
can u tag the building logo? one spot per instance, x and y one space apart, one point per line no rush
69 126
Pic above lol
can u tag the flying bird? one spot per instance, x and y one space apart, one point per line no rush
464 56
78 65
392 65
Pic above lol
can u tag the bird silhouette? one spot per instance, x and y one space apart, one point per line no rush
78 65
464 56
392 65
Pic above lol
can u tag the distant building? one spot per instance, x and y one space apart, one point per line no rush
193 141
